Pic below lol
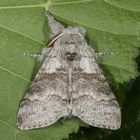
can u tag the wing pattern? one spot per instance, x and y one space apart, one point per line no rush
92 99
46 100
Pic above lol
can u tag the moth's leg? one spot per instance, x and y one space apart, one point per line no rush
97 55
40 56
55 26
33 55
101 54
45 53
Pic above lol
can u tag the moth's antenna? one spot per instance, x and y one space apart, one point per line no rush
55 39
59 37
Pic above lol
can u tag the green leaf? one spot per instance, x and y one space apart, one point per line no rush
112 26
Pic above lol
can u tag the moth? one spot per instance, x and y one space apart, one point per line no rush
69 83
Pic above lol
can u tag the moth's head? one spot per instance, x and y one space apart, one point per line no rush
70 42
74 30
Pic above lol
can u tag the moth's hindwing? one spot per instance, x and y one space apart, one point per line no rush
46 100
93 100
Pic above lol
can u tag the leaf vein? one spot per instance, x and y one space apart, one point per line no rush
119 67
15 130
24 35
120 6
72 2
22 6
14 74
